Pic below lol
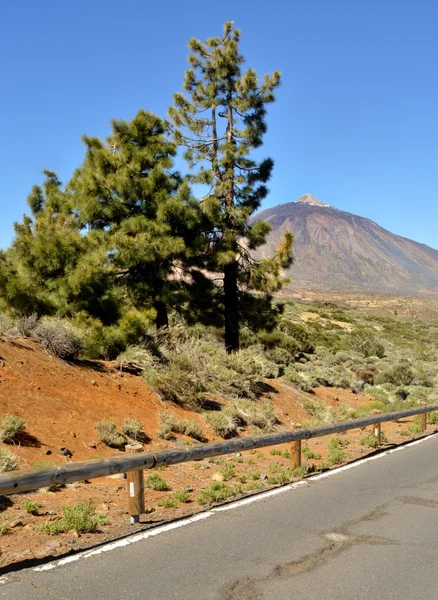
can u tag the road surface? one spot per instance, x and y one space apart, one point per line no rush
367 532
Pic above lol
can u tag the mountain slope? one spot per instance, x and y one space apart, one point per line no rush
338 251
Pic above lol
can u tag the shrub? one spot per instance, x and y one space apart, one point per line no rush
80 517
228 472
109 435
59 338
4 529
369 440
193 367
411 430
309 454
174 499
275 452
169 423
259 414
216 492
166 426
7 327
132 428
190 428
280 356
224 423
10 427
138 357
366 375
320 414
280 476
27 325
278 339
299 333
401 374
8 461
336 453
30 507
364 342
291 375
155 482
432 417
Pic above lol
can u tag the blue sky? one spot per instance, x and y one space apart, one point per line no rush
355 122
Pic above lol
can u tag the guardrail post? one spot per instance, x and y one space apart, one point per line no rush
377 432
423 421
295 450
135 482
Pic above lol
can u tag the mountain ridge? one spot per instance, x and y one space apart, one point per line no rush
336 250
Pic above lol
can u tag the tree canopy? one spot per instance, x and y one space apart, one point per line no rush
220 120
127 233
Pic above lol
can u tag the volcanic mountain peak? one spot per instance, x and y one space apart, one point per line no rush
309 199
338 251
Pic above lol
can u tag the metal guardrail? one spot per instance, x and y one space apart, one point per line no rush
135 461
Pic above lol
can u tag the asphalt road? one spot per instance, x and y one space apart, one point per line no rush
369 532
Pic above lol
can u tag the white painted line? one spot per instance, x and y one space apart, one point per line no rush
199 517
125 542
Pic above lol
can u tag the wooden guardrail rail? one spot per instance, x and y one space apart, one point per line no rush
25 481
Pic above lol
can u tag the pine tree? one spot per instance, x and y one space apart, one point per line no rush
128 194
45 251
221 121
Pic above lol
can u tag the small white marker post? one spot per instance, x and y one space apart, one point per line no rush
135 483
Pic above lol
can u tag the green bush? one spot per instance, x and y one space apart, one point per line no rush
60 338
132 428
259 414
319 413
224 422
278 339
299 333
336 454
228 472
400 374
192 368
170 424
10 427
280 356
4 529
218 491
190 428
309 454
32 508
27 325
155 482
174 499
80 517
432 417
8 327
369 440
364 341
108 434
8 461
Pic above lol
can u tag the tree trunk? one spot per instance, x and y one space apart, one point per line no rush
232 338
162 318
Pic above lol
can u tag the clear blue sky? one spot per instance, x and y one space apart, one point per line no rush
355 122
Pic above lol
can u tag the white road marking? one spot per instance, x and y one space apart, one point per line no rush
205 515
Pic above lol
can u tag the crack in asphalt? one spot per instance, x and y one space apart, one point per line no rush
341 540
419 501
36 586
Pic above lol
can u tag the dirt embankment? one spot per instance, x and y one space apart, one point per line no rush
61 403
